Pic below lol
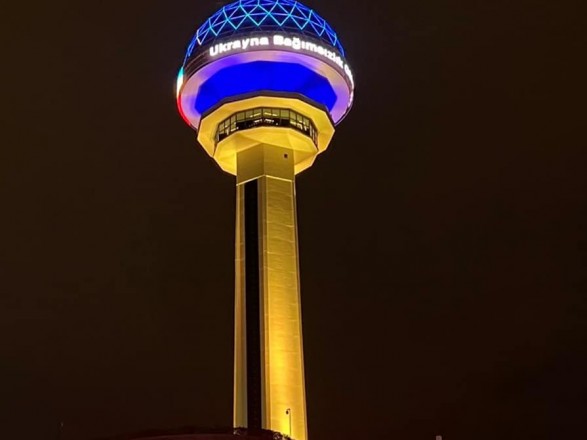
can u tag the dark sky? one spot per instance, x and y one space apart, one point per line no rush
443 236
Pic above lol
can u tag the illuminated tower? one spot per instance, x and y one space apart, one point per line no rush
264 82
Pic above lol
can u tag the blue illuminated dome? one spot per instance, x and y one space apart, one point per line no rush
274 48
265 15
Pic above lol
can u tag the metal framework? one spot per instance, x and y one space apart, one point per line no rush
264 15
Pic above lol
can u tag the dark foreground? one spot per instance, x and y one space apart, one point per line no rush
199 434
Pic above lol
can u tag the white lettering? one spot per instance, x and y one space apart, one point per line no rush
281 41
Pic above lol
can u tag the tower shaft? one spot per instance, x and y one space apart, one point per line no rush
269 367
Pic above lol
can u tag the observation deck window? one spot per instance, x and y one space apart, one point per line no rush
266 117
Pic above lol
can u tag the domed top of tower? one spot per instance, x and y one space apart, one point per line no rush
264 48
264 15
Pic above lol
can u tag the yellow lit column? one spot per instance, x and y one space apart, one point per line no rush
269 365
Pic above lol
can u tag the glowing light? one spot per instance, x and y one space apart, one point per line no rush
179 82
241 79
278 41
277 15
333 74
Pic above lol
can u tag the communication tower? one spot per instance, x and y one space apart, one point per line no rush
264 83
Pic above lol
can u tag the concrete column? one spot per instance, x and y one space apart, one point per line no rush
269 378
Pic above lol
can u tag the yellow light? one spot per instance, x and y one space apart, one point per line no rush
272 156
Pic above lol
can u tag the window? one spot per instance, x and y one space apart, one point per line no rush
266 117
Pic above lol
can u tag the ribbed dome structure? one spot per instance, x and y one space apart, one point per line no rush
265 15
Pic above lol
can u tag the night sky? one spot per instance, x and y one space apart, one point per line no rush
443 235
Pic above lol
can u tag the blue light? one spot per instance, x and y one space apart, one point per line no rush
261 76
265 15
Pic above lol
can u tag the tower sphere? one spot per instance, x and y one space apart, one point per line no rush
277 49
267 15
